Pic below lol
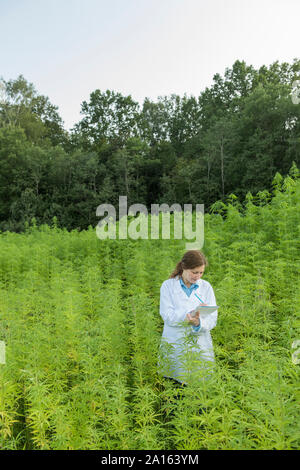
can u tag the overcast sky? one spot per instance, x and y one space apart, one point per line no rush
145 48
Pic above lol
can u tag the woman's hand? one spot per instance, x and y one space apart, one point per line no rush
193 320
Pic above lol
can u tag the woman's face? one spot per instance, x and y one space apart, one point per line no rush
192 275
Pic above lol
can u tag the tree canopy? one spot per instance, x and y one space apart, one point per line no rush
231 139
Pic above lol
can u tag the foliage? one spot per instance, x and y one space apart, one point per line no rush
231 139
79 317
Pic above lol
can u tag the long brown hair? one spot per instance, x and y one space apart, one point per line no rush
190 260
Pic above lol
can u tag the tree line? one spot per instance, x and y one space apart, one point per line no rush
231 139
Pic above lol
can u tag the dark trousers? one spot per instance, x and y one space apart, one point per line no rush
180 387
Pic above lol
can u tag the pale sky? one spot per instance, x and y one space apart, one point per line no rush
142 48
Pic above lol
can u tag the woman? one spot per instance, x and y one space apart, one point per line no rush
186 344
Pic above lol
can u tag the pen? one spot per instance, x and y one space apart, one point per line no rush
199 298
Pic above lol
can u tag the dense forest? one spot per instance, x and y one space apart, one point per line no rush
232 139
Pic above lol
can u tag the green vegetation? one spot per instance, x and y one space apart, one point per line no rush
232 138
80 319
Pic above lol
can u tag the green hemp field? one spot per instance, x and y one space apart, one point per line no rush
79 318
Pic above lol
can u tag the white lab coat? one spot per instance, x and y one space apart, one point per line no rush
184 350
